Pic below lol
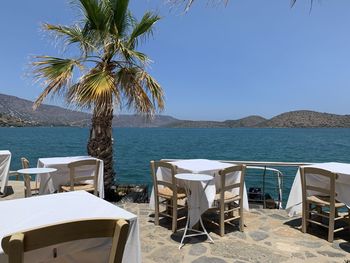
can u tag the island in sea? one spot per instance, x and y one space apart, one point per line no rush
17 112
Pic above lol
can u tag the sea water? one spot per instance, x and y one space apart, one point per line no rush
135 147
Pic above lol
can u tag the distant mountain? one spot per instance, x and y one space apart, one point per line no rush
250 121
124 121
195 124
46 115
15 111
307 119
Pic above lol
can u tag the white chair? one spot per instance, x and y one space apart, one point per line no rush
323 203
30 188
79 182
226 203
167 193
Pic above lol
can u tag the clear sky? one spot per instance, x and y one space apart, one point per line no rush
215 62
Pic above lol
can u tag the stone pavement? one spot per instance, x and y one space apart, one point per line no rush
269 236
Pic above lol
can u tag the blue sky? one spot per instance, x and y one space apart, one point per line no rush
215 62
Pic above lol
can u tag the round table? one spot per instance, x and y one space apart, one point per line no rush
36 170
187 178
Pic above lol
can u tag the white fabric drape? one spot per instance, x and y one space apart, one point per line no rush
342 186
50 183
5 160
28 213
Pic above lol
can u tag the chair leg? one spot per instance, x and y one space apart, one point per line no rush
174 215
222 219
241 219
331 225
305 214
156 210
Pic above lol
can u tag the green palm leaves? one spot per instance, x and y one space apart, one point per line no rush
109 69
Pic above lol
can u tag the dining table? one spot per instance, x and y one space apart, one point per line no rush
50 183
194 202
201 166
35 212
342 185
5 161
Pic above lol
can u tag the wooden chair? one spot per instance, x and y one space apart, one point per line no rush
30 188
15 245
169 192
313 205
226 203
79 182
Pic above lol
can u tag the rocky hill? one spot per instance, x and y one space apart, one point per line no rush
250 121
21 112
307 119
196 124
15 111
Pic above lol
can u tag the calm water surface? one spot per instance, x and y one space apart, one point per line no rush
135 147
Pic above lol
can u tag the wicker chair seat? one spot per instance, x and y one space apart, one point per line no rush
228 198
79 187
323 201
167 193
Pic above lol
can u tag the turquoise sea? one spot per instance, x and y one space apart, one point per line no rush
135 147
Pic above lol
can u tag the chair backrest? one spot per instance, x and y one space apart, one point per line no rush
26 178
15 245
225 186
74 178
156 181
325 188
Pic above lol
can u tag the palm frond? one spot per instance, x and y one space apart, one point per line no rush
132 55
55 73
96 88
143 29
94 13
141 92
120 16
71 35
292 3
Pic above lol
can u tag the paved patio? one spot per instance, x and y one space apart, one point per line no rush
270 236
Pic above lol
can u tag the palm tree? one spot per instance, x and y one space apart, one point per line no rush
107 72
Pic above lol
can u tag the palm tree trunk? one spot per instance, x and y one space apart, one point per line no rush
100 144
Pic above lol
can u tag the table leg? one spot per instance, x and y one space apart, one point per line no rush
197 232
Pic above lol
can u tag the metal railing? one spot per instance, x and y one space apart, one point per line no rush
269 190
271 171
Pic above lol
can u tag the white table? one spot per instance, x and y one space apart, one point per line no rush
37 171
208 167
193 182
50 183
5 160
342 185
27 213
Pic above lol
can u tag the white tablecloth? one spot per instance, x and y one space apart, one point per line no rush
202 166
342 185
50 183
5 160
27 213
